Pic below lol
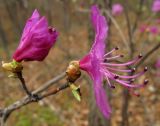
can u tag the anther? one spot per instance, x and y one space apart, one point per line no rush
116 48
116 77
105 60
140 55
133 70
50 29
132 80
121 55
145 69
113 87
146 82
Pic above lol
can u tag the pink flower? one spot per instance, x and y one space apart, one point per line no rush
158 20
99 65
156 6
150 29
157 63
36 41
117 9
153 29
143 28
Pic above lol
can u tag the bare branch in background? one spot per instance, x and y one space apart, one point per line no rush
118 28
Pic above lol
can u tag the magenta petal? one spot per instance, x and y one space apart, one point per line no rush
91 62
100 93
101 29
36 41
157 65
102 101
153 29
31 22
35 14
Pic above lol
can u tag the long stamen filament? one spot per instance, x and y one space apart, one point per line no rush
114 57
116 48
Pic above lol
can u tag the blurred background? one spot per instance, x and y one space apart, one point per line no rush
72 19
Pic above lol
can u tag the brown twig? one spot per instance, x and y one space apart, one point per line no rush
49 83
23 83
155 48
5 113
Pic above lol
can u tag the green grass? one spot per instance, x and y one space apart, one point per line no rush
34 115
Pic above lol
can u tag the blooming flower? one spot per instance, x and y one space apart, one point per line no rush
157 65
99 65
151 29
143 28
156 6
36 41
117 9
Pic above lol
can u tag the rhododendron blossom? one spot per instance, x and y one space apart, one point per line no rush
117 9
151 29
99 66
156 6
36 41
157 63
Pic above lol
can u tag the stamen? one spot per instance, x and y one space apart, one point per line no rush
122 64
119 70
116 48
133 76
109 83
130 85
114 57
131 81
